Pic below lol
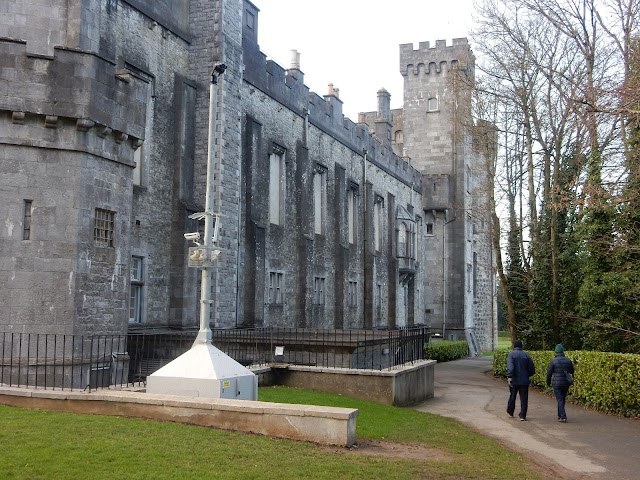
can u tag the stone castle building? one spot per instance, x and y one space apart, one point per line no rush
324 223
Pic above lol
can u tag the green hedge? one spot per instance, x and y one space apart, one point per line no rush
446 350
609 382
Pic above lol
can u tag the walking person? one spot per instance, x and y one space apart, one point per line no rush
557 376
520 367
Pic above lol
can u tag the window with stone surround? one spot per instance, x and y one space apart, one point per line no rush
475 275
352 294
26 220
137 171
141 149
402 240
319 198
378 221
137 285
378 303
428 229
275 294
103 227
318 290
352 212
276 185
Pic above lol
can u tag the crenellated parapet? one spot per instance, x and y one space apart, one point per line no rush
287 87
71 134
436 60
84 89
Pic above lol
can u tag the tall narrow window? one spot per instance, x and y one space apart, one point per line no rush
26 221
135 297
352 212
274 290
141 153
319 198
318 290
416 237
103 227
402 240
475 275
276 186
378 221
469 277
352 294
429 229
137 171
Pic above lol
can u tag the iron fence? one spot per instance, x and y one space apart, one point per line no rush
62 361
361 349
76 362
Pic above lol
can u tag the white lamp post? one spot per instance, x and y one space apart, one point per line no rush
204 370
204 335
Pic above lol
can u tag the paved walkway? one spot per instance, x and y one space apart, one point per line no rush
591 445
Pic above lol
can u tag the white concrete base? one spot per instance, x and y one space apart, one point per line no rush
204 371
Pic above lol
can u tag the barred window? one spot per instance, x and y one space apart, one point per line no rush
103 227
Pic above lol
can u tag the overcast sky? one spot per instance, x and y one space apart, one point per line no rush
354 44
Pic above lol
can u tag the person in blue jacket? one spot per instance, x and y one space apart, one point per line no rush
519 368
557 371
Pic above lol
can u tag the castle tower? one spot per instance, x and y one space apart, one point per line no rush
436 103
437 134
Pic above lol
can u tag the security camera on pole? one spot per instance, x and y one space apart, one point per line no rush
205 371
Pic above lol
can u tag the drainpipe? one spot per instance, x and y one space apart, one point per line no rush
445 270
445 266
364 237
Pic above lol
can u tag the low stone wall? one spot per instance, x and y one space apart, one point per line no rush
403 386
325 425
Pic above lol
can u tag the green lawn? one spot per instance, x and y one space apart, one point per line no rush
504 341
50 445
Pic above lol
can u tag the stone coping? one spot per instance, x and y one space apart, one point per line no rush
248 406
393 372
320 424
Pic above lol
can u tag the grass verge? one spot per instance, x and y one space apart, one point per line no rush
51 445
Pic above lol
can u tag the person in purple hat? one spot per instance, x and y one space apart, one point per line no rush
520 367
557 376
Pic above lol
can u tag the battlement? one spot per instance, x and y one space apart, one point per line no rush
73 84
287 87
435 60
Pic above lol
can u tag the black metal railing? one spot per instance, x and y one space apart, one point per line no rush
363 349
62 361
76 362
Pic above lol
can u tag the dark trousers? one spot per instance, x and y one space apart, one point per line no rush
561 396
514 390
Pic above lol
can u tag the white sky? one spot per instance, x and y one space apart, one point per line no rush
354 44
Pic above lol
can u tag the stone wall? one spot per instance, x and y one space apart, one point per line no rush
68 151
120 84
312 133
